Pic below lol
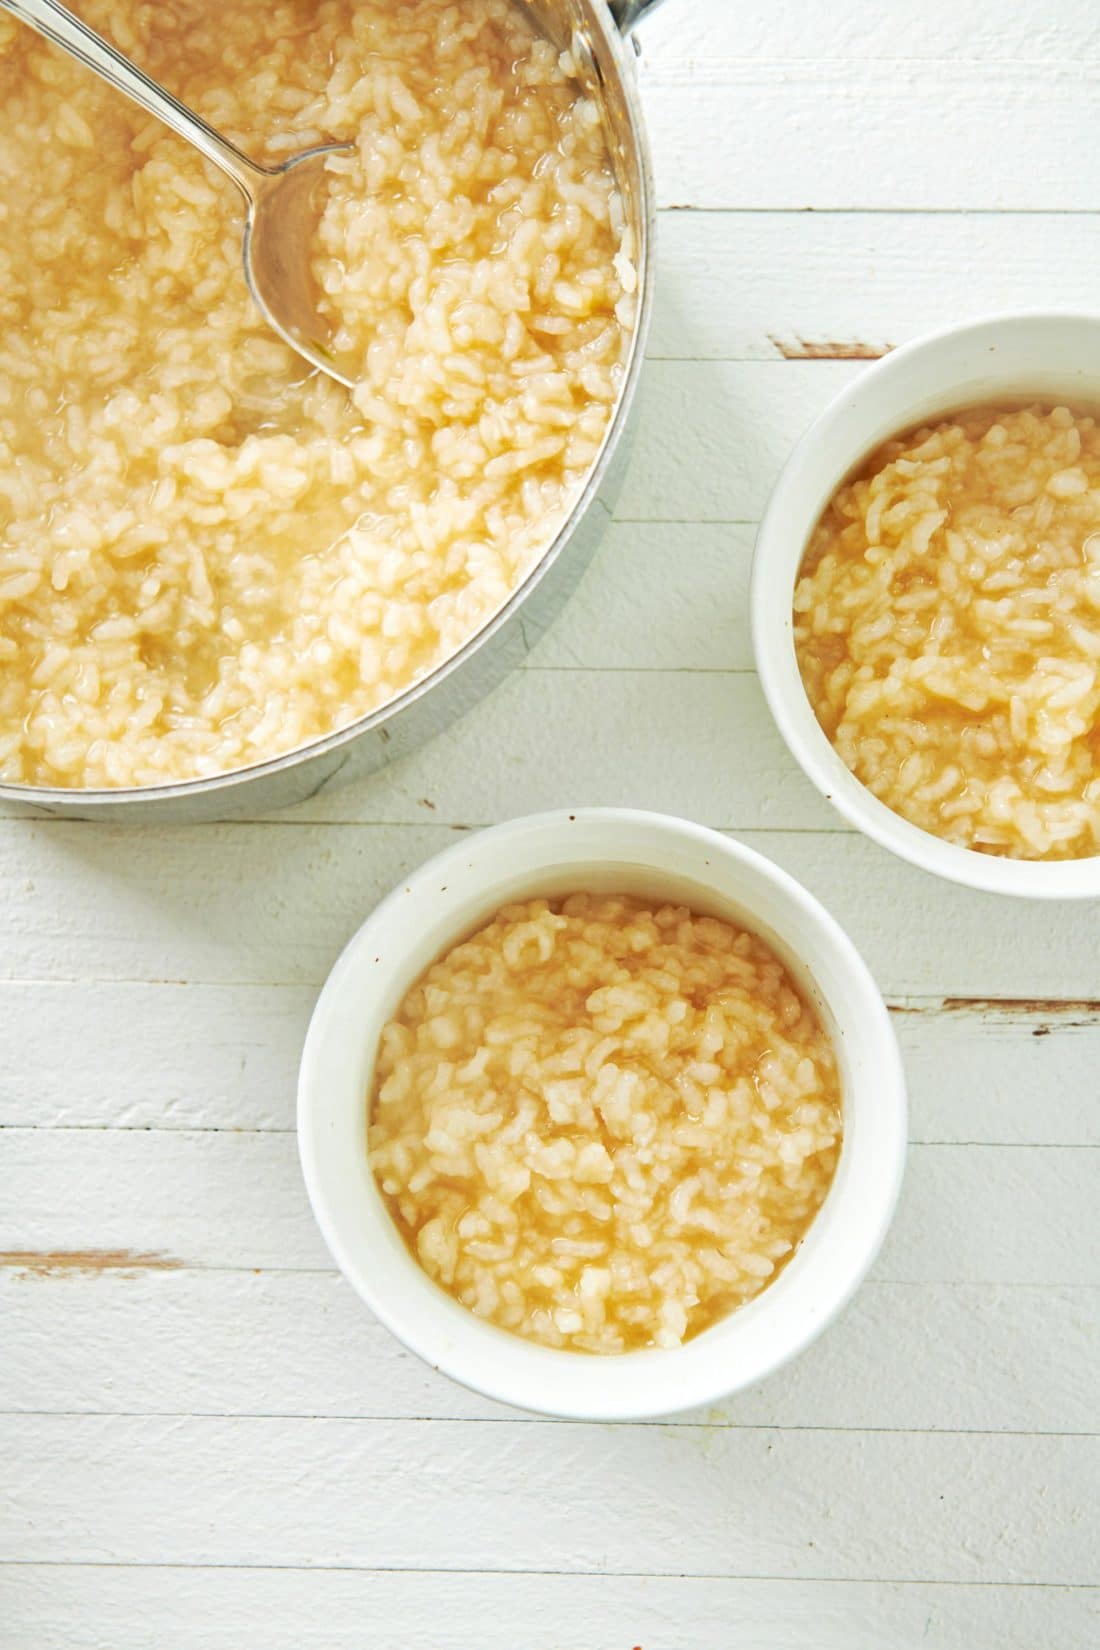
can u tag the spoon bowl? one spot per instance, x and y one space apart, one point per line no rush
282 215
281 201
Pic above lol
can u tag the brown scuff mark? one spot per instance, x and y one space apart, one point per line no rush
1047 1007
54 1263
1051 1014
828 349
1072 1011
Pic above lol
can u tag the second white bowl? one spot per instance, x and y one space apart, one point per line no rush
1047 356
598 850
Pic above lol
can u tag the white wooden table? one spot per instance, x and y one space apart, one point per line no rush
206 1440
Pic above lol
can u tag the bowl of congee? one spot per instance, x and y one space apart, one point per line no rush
218 564
602 1114
926 604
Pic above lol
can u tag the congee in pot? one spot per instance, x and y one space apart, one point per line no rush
209 554
947 627
603 1123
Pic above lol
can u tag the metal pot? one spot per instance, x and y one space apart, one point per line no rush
596 31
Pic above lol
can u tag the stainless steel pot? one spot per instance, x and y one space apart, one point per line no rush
597 32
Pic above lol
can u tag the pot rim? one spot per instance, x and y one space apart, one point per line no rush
61 798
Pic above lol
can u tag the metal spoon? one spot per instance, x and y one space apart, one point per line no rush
281 214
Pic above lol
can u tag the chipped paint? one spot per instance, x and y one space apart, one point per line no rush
1075 1010
828 349
1046 1007
50 1263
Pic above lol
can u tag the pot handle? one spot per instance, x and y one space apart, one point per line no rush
627 13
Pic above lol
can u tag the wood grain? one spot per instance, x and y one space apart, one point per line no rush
902 1356
798 134
755 1501
705 33
745 285
106 1607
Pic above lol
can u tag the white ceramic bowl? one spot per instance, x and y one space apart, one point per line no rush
1052 356
597 850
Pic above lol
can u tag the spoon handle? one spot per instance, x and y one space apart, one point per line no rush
52 20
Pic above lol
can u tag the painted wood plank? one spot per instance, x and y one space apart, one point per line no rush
760 285
225 1057
992 1214
607 1499
113 1608
695 576
151 1056
705 31
795 134
228 903
700 743
210 1199
710 437
1003 1074
968 1214
921 1356
274 903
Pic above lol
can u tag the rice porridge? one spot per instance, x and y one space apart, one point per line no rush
210 554
604 1124
947 627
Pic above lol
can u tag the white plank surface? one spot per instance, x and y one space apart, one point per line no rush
703 32
206 1440
322 1354
777 285
273 903
948 109
944 135
765 1501
113 1608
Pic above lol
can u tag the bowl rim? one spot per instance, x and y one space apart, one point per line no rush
739 1350
773 635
